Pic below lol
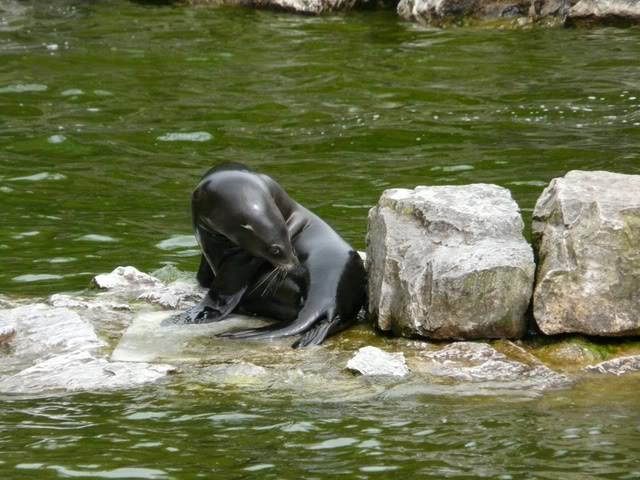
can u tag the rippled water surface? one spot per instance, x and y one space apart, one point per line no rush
109 113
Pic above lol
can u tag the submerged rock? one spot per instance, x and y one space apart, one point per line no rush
80 370
237 374
479 362
604 12
449 262
617 366
569 353
374 361
586 232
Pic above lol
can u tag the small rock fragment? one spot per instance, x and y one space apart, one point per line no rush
125 278
373 361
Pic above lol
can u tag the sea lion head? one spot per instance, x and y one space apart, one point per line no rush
242 209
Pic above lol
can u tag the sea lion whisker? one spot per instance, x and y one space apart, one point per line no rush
283 276
276 271
266 278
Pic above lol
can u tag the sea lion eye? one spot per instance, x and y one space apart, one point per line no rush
275 250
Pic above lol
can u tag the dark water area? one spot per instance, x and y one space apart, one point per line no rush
111 111
202 432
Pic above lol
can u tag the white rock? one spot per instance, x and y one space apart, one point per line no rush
586 231
177 295
617 366
70 301
126 278
449 262
373 361
80 370
605 12
446 11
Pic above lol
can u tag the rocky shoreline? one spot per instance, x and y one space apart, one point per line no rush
446 264
441 13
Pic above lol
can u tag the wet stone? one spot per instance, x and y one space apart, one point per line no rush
42 329
126 278
374 361
177 295
617 366
69 301
79 371
479 362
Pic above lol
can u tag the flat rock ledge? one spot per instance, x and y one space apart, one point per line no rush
480 362
586 233
80 371
55 346
449 262
374 361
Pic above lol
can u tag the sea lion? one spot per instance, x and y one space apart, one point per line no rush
265 254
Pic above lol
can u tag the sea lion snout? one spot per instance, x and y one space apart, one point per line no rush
290 264
283 257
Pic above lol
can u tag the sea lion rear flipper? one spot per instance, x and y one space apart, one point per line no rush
307 318
321 331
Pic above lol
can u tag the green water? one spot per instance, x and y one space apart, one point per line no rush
337 109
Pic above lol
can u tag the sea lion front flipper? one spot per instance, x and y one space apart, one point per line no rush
228 287
213 308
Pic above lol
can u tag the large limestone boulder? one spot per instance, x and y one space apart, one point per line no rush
586 232
449 262
604 12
